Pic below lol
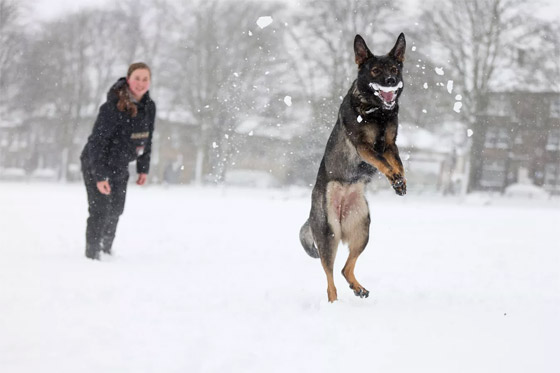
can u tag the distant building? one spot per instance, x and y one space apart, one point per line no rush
28 149
521 141
433 160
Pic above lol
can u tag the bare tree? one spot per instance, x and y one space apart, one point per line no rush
224 71
12 42
56 64
474 39
539 52
109 48
70 67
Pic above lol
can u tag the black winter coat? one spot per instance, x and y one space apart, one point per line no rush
118 139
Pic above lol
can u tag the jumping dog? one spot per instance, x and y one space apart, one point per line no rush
361 143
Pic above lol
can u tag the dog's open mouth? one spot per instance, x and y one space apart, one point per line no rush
387 94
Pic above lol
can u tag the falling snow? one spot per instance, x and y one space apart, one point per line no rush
450 86
457 107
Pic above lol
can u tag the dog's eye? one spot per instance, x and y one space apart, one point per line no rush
394 70
375 71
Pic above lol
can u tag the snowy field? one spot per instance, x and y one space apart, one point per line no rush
215 280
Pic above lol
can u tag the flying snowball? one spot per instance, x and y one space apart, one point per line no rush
262 22
288 100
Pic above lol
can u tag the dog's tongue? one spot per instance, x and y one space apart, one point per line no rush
387 96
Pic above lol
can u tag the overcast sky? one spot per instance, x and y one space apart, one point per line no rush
47 9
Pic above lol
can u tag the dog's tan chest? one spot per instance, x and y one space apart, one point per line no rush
345 202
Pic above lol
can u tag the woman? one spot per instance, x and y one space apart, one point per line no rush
121 134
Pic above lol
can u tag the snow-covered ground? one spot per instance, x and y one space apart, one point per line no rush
215 280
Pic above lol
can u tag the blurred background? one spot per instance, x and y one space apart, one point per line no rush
248 91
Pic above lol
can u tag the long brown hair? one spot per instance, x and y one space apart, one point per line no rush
124 102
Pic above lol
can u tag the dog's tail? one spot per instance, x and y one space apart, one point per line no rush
306 239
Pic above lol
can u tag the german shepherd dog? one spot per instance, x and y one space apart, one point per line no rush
362 141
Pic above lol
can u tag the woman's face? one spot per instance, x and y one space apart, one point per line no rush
139 82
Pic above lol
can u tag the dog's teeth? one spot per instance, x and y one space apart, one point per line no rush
377 87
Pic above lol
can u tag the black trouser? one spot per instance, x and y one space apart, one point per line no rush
104 212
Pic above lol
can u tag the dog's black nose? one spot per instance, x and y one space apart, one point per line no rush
390 81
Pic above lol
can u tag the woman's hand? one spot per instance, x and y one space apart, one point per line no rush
141 179
104 187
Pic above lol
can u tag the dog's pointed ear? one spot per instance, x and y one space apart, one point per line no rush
361 50
398 50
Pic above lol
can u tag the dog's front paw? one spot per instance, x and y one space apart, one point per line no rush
399 184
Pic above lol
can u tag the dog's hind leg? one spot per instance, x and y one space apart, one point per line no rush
355 232
327 260
327 243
